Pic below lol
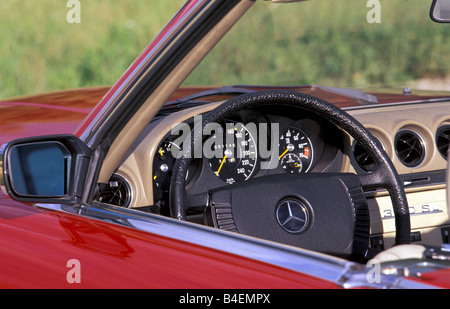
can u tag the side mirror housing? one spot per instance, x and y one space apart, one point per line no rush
440 11
48 169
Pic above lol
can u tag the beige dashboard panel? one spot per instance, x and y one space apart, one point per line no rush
429 212
424 119
138 167
428 208
428 205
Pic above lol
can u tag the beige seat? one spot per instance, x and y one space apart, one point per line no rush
401 252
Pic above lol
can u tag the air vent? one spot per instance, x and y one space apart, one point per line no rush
443 140
363 158
410 148
116 192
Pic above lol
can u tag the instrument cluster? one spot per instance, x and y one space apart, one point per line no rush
250 145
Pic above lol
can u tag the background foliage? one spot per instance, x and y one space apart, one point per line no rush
331 44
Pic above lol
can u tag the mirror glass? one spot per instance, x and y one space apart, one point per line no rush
440 11
39 169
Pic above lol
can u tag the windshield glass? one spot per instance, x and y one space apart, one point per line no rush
67 44
338 43
55 45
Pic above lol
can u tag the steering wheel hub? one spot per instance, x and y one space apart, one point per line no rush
322 212
293 216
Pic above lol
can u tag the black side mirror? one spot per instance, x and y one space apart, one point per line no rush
44 169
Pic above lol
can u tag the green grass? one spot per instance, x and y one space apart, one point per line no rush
332 44
41 51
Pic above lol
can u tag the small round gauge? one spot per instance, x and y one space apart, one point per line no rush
292 163
163 163
296 151
236 154
166 150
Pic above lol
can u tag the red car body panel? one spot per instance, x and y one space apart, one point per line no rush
36 246
439 278
58 112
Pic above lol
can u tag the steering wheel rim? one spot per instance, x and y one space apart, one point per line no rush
385 175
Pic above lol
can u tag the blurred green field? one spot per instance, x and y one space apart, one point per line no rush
331 44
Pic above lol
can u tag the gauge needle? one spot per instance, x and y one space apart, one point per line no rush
221 164
283 153
160 152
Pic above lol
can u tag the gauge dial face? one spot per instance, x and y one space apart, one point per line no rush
163 163
236 154
166 149
296 151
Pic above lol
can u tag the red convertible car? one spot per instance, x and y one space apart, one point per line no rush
148 184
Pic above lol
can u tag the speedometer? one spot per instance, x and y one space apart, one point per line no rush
296 151
237 155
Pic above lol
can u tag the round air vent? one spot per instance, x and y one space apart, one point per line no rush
363 158
443 140
410 148
116 192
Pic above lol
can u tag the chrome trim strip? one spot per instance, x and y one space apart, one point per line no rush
372 106
354 279
437 211
335 270
307 262
2 171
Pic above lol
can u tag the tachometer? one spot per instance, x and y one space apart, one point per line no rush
236 150
296 151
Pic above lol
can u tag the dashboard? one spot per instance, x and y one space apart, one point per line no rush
266 141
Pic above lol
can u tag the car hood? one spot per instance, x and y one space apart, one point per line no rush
62 112
51 113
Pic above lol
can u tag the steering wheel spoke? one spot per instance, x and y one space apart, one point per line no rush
372 181
197 200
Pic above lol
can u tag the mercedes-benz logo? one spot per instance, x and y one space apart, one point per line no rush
292 216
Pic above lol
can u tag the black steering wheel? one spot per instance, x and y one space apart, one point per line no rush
317 211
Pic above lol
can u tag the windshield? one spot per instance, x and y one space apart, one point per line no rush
338 43
56 45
